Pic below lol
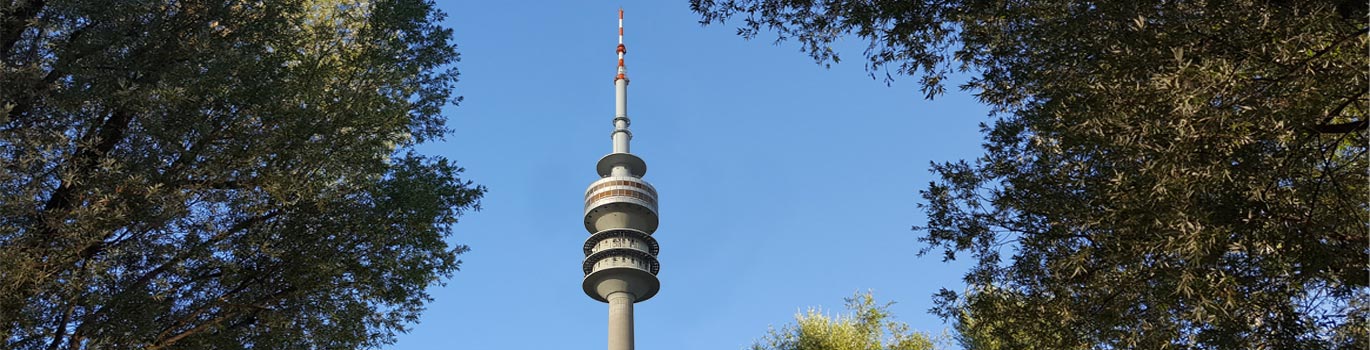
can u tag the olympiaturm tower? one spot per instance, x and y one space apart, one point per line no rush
620 213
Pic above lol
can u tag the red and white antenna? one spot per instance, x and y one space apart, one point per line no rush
622 72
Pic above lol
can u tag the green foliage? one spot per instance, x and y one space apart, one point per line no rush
1158 174
869 326
980 333
222 175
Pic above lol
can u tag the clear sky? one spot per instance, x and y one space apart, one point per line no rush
783 185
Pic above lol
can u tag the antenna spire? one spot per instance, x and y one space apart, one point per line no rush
622 71
621 134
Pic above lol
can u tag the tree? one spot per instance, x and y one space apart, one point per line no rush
868 326
222 174
1161 174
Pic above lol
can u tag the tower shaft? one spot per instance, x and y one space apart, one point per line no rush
621 121
621 321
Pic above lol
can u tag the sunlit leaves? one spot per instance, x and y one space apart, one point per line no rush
866 326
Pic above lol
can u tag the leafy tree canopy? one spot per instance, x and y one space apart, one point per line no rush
1157 174
222 174
867 326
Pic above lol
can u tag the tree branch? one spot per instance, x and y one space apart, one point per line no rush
169 341
110 133
61 327
1340 128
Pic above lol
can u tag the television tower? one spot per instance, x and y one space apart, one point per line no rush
620 213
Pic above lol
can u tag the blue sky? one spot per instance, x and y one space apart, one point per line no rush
783 185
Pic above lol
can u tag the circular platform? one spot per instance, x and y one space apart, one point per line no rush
652 246
601 283
635 165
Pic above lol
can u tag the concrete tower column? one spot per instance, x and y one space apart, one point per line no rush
620 321
621 121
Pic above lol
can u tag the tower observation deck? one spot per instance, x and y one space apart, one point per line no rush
621 214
